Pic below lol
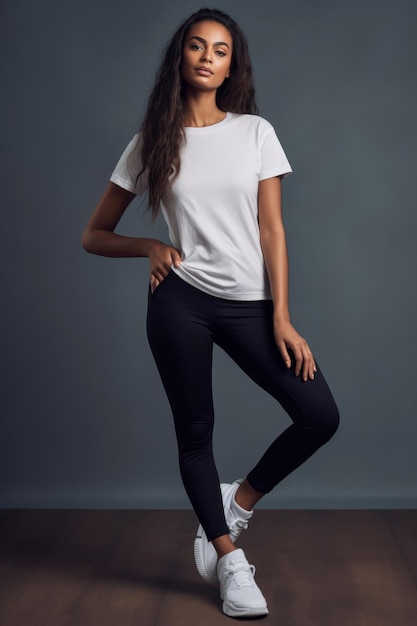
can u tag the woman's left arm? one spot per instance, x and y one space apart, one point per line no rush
274 249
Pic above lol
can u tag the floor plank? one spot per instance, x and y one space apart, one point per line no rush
135 568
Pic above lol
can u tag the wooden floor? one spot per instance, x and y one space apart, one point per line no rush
135 568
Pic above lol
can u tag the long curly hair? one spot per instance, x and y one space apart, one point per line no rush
162 132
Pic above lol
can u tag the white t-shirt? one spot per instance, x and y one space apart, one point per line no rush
211 209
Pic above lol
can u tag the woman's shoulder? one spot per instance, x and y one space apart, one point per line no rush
251 119
251 122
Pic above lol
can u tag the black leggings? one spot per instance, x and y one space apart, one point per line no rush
183 323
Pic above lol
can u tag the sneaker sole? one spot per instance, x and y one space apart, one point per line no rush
200 539
249 612
199 542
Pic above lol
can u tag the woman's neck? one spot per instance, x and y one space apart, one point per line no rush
202 110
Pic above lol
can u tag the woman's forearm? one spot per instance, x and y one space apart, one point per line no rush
106 243
99 236
274 248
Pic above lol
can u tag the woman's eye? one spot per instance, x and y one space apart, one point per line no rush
221 53
195 46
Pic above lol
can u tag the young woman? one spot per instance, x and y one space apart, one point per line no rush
214 168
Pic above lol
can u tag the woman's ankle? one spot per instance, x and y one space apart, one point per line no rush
246 496
223 545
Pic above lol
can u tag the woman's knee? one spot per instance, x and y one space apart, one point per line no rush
331 423
324 424
195 434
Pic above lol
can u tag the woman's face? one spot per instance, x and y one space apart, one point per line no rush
207 55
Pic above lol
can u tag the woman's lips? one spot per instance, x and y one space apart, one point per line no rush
204 71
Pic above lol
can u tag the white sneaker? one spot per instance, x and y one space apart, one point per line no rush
205 555
240 594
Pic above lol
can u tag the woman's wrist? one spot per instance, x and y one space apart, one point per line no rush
148 246
281 317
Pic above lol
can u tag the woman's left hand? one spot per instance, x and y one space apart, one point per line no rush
287 338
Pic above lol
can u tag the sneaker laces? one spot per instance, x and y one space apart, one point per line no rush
244 577
236 527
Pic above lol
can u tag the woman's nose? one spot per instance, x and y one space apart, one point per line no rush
206 56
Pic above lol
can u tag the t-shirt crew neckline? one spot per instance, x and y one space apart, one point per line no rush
200 130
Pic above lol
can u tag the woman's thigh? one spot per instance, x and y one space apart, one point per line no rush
245 332
181 342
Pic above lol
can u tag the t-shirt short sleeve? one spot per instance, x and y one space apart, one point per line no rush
126 172
273 158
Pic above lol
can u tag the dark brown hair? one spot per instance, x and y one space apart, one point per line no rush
162 132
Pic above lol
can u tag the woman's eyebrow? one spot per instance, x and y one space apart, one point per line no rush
216 43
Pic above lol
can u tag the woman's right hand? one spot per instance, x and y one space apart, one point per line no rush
161 259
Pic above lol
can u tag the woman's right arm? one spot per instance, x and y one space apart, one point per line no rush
99 236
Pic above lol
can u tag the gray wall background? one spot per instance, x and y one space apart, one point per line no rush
85 422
